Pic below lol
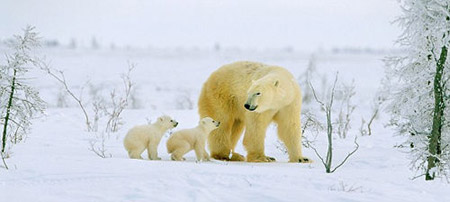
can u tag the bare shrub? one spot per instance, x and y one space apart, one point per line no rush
346 109
98 144
327 108
104 115
343 187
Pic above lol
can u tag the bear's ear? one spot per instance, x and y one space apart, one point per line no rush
160 119
276 83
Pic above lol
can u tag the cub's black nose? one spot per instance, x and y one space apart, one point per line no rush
247 106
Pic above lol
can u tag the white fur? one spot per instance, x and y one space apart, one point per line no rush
147 137
183 141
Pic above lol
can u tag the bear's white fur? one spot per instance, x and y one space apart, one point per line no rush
147 137
183 141
252 95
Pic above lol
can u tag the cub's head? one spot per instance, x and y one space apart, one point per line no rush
209 123
261 94
167 122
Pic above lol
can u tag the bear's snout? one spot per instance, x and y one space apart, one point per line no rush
249 107
218 124
175 124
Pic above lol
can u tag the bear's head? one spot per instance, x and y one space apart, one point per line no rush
263 94
209 124
167 122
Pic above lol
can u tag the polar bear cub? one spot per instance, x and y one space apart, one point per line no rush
183 141
147 137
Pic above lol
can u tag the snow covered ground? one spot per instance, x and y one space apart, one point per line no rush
54 163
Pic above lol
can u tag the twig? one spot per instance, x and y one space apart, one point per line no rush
4 162
348 155
414 178
315 96
317 153
61 79
370 122
100 151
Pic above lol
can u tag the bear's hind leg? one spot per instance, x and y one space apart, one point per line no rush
236 133
135 153
219 141
152 151
180 150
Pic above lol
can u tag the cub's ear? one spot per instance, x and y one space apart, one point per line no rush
160 119
276 83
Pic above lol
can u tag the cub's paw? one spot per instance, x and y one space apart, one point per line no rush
176 158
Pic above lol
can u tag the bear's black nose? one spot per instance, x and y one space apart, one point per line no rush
249 107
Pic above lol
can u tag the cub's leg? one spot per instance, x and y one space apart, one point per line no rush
135 152
200 152
152 151
181 149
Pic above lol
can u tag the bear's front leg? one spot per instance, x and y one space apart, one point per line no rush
255 133
205 156
200 152
152 151
289 132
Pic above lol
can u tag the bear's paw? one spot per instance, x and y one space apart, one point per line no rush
302 160
237 157
220 157
260 158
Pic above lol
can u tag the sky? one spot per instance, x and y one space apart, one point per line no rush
300 24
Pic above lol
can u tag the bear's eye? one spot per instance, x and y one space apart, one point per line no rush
171 121
258 94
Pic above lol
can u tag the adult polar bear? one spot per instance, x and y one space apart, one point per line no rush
252 95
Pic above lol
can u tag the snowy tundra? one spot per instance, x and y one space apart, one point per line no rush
55 164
